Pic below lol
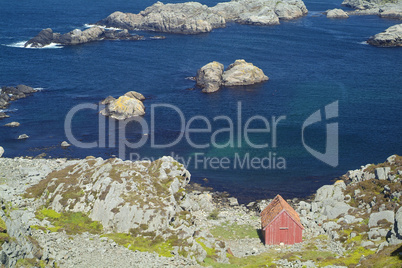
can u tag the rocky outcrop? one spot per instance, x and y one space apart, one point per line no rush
8 94
240 73
195 18
385 9
65 144
337 14
12 124
23 137
209 77
395 235
150 198
142 199
44 37
124 107
391 37
76 37
1 151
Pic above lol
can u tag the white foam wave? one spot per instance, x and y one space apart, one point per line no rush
17 44
8 110
39 88
86 25
363 43
22 45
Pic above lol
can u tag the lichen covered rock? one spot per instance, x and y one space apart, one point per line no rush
124 107
242 73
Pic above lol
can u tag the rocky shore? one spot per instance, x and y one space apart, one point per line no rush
195 18
8 94
385 9
391 37
76 213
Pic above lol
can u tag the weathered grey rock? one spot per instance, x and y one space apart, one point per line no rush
387 215
65 144
395 236
264 17
76 37
287 10
334 210
331 192
44 38
367 244
108 100
233 201
391 159
391 37
1 151
3 115
124 107
337 14
194 18
12 124
134 94
391 11
242 73
382 173
23 137
209 77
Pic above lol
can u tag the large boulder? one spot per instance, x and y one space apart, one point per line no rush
387 215
288 10
395 236
337 14
382 173
241 73
124 107
209 77
330 199
391 37
336 209
1 151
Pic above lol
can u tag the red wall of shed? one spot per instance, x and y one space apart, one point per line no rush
283 229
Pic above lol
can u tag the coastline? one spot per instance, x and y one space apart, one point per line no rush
39 196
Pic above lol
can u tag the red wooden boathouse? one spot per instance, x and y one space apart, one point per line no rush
280 223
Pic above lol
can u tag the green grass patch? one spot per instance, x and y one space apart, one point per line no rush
70 222
143 243
351 259
3 227
234 231
4 237
47 213
387 258
30 263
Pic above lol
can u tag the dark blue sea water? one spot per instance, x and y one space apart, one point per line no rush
311 62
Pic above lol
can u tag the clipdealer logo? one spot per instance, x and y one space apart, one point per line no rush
237 129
